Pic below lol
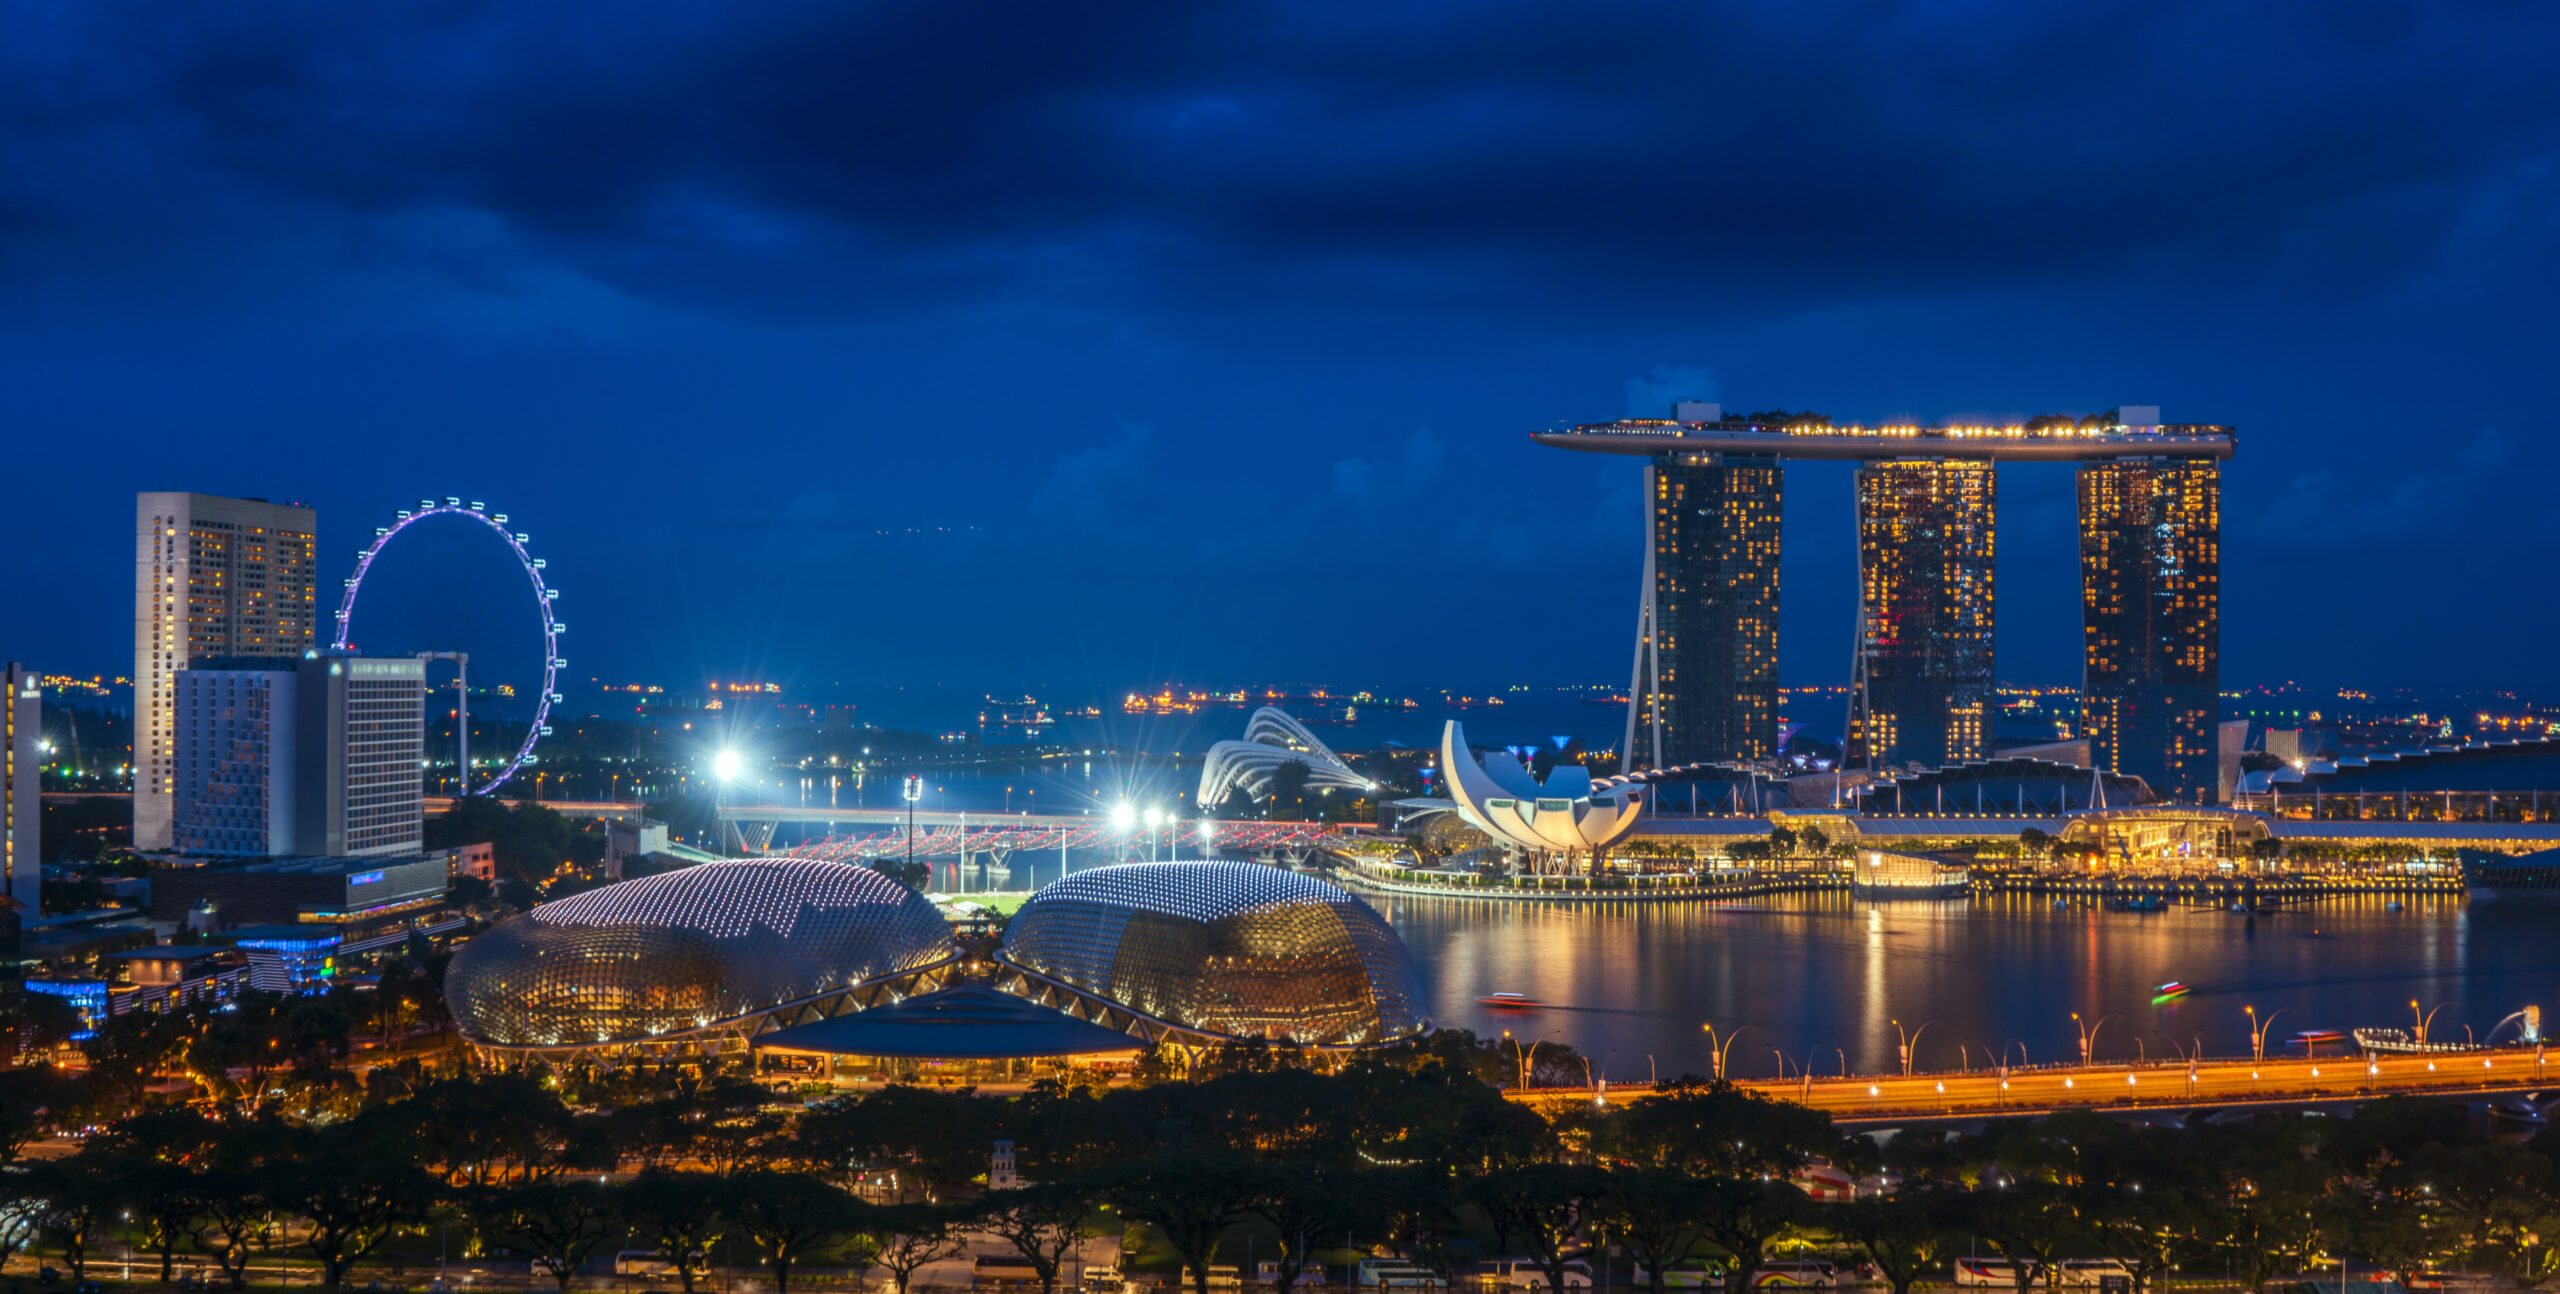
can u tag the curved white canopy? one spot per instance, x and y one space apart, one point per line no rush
1505 802
1273 739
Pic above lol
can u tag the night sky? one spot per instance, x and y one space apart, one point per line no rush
1082 345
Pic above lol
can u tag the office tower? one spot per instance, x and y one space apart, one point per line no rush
360 737
1925 547
1706 674
236 748
21 788
314 756
212 577
2151 605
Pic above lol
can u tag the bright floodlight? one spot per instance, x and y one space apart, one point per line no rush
725 765
1123 817
1155 817
1208 831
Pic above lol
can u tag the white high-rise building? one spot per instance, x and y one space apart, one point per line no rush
361 729
21 771
212 577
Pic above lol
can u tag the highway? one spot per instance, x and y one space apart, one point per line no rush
2214 1082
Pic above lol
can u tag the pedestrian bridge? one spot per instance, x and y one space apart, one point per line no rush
860 835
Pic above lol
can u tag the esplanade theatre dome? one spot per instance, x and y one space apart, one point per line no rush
688 949
1229 948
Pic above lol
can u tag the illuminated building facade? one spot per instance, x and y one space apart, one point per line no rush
1706 671
317 755
1706 639
1568 813
1273 740
21 771
2151 605
235 758
212 577
302 891
362 724
1225 948
692 952
1925 549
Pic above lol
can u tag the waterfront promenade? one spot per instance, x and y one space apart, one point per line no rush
2216 1083
2184 890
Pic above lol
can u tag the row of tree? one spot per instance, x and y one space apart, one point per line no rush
1409 1148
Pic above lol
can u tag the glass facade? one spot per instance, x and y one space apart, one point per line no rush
1223 947
2151 604
290 959
1925 560
687 949
1714 610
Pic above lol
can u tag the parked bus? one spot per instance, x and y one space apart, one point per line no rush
1003 1269
1986 1272
1520 1273
1805 1274
647 1262
1396 1273
2086 1273
1267 1272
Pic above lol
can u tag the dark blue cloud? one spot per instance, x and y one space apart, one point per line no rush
876 312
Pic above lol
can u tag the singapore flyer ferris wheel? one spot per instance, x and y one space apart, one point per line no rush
441 594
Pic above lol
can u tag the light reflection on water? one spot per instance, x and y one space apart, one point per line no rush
1823 976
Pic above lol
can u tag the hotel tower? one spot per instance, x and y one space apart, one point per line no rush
212 577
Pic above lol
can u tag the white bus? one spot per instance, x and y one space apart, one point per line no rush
1267 1272
1395 1273
644 1262
2086 1273
1807 1274
1521 1273
2060 1274
1986 1272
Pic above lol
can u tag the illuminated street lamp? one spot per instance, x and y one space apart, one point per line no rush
1721 1050
913 791
2258 1031
1526 1060
2425 1020
1155 821
2088 1034
1909 1041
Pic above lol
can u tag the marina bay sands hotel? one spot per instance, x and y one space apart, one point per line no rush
1706 685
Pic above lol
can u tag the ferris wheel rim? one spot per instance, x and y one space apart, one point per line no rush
542 598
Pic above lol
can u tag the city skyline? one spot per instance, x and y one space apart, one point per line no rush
1221 322
1103 739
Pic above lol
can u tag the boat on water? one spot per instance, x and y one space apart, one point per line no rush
2532 879
2168 992
2139 903
1892 874
2313 1041
1510 1002
2400 1042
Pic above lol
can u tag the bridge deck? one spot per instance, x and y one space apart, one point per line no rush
2212 1083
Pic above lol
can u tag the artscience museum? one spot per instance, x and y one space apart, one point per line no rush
1567 814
